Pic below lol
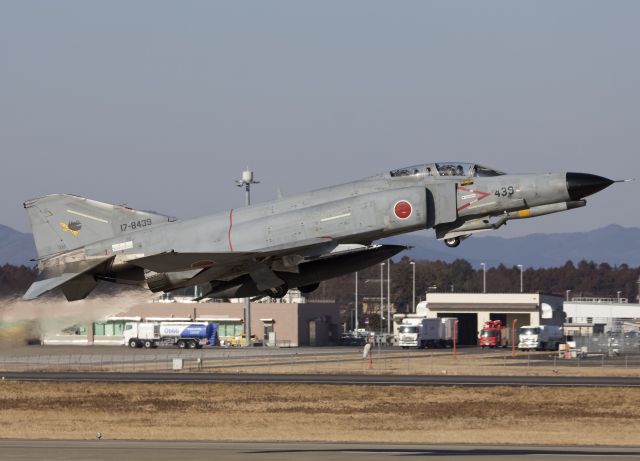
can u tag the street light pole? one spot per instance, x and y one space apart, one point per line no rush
389 296
246 180
381 295
356 305
413 304
484 277
521 269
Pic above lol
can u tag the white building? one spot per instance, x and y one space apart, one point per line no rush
598 315
473 309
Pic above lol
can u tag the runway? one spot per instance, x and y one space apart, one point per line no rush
377 380
107 450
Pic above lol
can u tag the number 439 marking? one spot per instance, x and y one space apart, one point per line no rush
504 191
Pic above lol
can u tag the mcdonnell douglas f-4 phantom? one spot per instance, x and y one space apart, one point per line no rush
296 241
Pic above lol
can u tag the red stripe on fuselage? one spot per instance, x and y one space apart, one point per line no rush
230 226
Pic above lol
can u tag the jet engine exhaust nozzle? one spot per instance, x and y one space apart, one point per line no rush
580 185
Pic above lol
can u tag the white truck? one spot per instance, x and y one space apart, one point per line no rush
190 335
541 337
423 332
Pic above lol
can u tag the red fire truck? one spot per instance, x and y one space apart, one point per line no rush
494 334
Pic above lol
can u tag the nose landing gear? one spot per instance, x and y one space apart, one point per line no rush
452 242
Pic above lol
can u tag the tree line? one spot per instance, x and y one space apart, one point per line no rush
585 279
15 279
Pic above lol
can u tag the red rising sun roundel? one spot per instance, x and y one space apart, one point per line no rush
402 209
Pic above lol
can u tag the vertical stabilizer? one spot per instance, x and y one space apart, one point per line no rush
62 222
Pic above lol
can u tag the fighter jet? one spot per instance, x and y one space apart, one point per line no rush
297 241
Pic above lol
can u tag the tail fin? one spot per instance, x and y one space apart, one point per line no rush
62 222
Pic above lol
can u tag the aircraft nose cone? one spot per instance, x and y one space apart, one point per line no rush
580 185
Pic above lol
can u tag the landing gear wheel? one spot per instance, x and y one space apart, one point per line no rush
309 288
452 243
278 292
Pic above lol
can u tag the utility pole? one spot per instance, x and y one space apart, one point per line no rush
246 181
413 304
484 277
521 269
389 296
381 295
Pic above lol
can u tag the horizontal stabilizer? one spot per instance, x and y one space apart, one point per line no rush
74 284
42 286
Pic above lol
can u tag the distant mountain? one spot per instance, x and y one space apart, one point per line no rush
612 244
16 248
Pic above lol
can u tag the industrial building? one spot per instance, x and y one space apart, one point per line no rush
473 309
587 316
277 324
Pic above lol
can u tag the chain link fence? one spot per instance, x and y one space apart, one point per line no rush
612 353
611 344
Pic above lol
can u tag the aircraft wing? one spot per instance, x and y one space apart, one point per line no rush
226 265
173 261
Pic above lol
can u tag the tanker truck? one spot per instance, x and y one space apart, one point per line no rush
190 335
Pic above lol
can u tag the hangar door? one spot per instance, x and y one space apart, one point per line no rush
467 328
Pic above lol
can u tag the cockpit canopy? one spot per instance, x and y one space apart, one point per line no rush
461 169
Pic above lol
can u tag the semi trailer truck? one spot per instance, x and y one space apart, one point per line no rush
423 332
189 335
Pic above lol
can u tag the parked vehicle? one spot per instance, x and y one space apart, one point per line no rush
494 334
542 337
239 340
352 340
423 332
190 335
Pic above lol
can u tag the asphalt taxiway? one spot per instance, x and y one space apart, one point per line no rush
347 379
108 450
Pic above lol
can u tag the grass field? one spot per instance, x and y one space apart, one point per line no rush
266 412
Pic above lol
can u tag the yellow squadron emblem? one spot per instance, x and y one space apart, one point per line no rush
72 227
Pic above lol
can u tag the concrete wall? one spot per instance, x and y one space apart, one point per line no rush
326 322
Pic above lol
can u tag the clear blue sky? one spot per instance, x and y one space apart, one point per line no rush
161 105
